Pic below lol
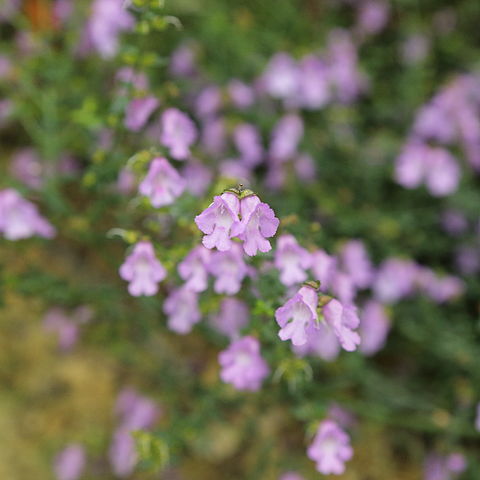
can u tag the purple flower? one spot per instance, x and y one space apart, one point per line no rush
454 222
8 9
281 76
356 263
58 322
193 269
434 121
241 94
330 448
182 62
291 260
242 365
321 342
298 313
258 223
304 166
181 306
197 177
372 16
374 328
27 167
314 89
323 267
286 136
343 320
394 280
214 136
410 165
136 411
467 260
439 289
229 269
128 76
208 102
291 476
217 221
443 174
178 133
138 111
415 48
248 142
20 219
70 463
126 182
107 20
231 318
343 287
142 269
163 184
122 453
437 467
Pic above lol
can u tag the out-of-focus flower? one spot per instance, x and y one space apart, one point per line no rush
137 412
437 467
162 184
197 177
193 269
20 219
128 76
208 102
231 318
291 476
249 144
372 16
330 448
454 222
297 315
8 9
281 76
181 306
356 263
142 269
323 268
138 111
229 270
214 136
242 365
286 136
6 67
343 287
27 167
439 289
63 10
321 342
394 280
314 90
217 221
70 463
415 48
57 321
291 260
126 182
107 20
178 133
374 327
182 61
241 94
122 453
343 320
477 417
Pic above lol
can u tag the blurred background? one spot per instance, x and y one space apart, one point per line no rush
387 153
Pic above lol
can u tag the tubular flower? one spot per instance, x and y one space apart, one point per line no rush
242 365
343 320
298 313
163 184
292 260
181 306
330 448
193 269
142 269
178 133
229 270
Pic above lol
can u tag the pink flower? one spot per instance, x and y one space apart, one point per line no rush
372 16
182 62
297 315
241 94
314 90
321 342
142 269
323 267
163 184
27 167
330 448
281 76
181 306
229 269
231 318
394 280
374 327
66 329
178 133
70 463
122 453
136 411
208 102
343 287
214 136
193 269
286 136
138 111
356 263
248 142
343 320
197 177
242 364
20 219
107 20
258 223
217 221
291 260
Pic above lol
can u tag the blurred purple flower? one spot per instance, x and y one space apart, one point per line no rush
66 329
138 111
182 62
214 136
467 260
330 448
178 133
208 102
394 280
248 142
323 268
193 269
122 453
229 270
281 76
356 263
314 90
291 476
126 182
343 287
374 327
241 94
286 136
142 269
27 167
20 219
343 319
291 260
231 318
162 184
454 222
297 315
372 16
321 342
415 48
70 463
242 365
181 306
198 178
